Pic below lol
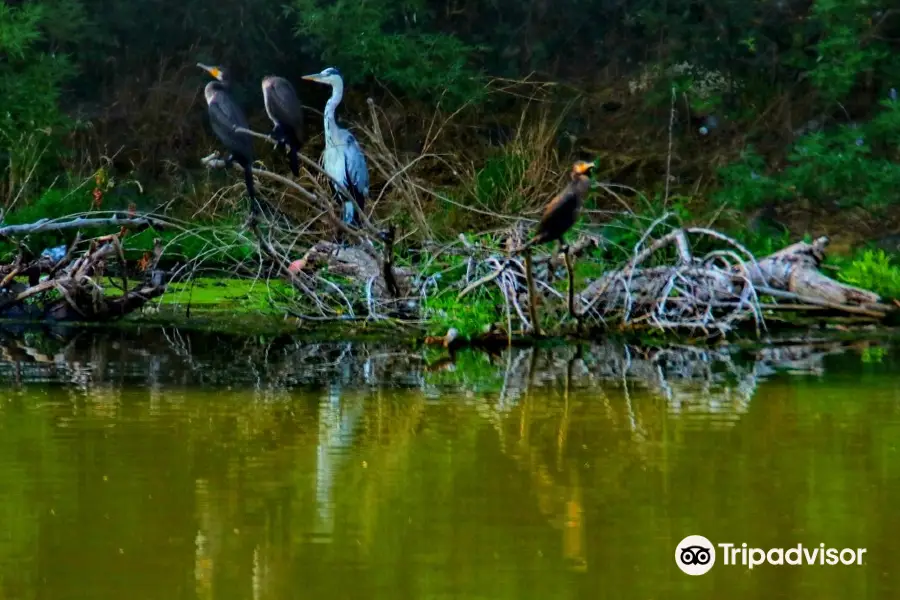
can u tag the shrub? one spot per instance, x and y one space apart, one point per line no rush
31 78
389 41
873 270
848 165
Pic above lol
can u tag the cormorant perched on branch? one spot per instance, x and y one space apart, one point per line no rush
559 216
562 210
343 159
224 116
286 112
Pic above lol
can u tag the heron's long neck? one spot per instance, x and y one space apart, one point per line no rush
337 92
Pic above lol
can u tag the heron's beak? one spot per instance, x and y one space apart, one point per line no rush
214 71
313 77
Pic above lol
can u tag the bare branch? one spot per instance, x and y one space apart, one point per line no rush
45 225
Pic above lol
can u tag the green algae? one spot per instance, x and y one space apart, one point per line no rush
232 295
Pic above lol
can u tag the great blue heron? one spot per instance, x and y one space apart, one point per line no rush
562 210
343 159
224 116
286 112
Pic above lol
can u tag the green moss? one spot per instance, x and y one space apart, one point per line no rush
214 296
243 296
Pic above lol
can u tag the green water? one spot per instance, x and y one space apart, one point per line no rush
167 465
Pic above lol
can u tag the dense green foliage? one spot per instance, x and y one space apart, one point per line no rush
391 41
32 74
849 165
31 79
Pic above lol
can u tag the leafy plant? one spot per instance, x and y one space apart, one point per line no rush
31 78
844 50
873 270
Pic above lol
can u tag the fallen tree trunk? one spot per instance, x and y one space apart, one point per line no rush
796 269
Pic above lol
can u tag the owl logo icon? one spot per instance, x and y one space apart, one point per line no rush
695 555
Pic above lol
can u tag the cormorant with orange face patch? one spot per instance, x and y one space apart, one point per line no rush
224 117
559 216
562 211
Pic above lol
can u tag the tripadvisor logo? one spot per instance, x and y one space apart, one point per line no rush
696 555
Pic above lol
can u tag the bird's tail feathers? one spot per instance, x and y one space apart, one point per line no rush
251 189
349 215
295 161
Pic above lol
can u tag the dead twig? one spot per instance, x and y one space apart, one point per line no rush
532 294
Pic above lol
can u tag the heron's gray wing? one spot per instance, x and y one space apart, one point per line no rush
283 104
355 163
224 116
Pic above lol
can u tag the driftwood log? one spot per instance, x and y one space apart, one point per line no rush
354 262
795 269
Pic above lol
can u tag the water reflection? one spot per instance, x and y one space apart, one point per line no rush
161 462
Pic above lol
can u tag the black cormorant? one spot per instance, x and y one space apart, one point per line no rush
562 210
286 112
224 116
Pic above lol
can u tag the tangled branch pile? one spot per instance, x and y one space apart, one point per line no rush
714 294
724 288
70 284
